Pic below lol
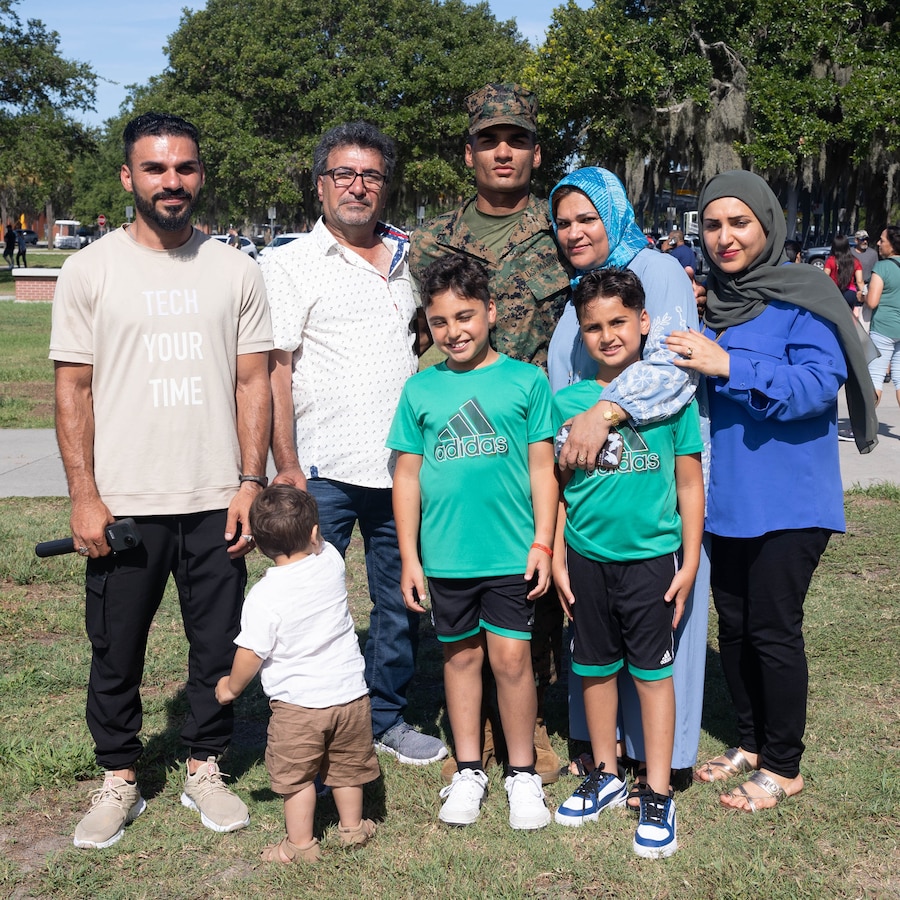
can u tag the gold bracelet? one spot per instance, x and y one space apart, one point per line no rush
611 415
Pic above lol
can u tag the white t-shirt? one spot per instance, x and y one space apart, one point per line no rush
348 328
297 619
162 330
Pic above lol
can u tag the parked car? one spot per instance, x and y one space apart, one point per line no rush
247 246
279 241
86 235
816 256
30 236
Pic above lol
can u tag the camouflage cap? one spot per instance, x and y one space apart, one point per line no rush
502 104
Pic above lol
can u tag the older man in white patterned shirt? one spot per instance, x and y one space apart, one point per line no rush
345 325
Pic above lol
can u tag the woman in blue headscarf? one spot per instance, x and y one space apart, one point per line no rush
595 227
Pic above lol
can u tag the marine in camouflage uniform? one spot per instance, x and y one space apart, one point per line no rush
529 281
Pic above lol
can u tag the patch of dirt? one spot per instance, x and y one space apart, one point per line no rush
38 393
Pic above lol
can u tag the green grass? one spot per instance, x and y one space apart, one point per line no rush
26 374
839 839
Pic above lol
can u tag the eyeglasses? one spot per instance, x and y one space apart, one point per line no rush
344 178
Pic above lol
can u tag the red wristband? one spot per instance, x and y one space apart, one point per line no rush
544 547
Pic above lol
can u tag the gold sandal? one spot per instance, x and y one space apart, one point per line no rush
287 853
735 763
769 786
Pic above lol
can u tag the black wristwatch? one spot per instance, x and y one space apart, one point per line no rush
261 480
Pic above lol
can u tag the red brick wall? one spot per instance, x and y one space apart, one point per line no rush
35 285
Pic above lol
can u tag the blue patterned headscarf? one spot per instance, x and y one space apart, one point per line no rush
607 194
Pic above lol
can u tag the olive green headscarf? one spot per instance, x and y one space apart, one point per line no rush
734 299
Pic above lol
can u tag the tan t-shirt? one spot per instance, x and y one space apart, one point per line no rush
162 330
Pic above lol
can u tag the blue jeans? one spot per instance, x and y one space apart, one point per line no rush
390 651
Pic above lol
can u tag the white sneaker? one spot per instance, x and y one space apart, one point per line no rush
464 796
527 806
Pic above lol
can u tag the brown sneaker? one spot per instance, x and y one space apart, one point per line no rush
219 808
113 806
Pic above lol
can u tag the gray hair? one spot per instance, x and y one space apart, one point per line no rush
354 134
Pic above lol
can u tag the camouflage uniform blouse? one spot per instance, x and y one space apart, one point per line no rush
529 282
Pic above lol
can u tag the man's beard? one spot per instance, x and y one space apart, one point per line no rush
168 221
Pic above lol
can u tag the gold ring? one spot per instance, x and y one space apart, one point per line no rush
689 352
582 459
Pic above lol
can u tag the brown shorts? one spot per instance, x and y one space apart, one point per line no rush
335 742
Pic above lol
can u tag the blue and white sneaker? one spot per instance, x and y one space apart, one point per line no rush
597 792
655 837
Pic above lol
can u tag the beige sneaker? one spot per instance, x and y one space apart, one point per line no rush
113 806
219 808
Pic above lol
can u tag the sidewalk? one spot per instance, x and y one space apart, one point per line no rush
30 465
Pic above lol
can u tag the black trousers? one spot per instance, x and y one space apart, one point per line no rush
759 586
123 594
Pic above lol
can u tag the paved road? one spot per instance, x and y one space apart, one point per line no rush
30 465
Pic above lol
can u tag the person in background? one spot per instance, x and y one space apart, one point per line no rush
793 251
9 249
681 251
866 254
883 299
21 250
845 271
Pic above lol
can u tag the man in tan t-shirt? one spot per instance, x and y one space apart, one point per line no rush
160 340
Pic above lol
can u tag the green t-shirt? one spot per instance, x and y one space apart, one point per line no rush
886 316
629 513
472 430
493 231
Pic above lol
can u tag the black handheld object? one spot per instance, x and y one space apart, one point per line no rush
121 535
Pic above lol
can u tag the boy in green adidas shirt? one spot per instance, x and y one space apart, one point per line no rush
627 549
474 484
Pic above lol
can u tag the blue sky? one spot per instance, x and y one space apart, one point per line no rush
123 42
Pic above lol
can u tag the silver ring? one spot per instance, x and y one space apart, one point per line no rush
247 537
689 353
83 551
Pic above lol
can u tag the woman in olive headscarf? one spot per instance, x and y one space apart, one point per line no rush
595 228
779 341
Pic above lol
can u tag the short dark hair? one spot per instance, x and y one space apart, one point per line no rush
611 282
282 519
354 134
792 248
892 232
152 124
459 273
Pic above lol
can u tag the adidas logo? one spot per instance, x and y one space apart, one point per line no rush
667 658
469 433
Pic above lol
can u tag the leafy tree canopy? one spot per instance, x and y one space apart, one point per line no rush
38 91
263 79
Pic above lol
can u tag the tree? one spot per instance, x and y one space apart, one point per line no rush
263 95
38 88
682 90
